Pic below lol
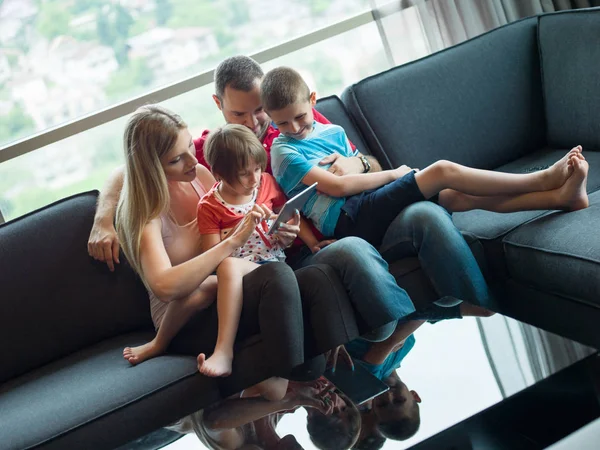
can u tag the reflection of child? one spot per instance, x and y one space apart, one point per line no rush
238 160
395 414
337 430
364 205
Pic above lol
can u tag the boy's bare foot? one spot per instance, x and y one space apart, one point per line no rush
218 365
469 309
557 174
136 355
573 194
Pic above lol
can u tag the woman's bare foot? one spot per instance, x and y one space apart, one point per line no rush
218 365
557 174
136 355
573 194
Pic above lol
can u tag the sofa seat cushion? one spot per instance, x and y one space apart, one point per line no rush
559 253
488 225
96 399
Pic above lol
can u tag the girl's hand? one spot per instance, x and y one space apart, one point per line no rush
246 226
287 232
332 357
319 245
308 395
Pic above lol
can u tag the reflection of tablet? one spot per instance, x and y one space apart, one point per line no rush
290 207
359 385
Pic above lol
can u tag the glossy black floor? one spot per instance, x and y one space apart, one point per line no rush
532 419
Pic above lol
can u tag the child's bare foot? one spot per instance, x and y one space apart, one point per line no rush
557 174
218 365
573 194
136 355
469 309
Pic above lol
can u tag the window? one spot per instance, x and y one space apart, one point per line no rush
61 59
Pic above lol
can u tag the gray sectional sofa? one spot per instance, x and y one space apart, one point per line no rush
65 320
514 99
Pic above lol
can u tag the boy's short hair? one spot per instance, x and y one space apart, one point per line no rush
282 87
238 72
229 149
403 428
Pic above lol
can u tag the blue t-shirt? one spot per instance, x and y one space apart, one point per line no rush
358 347
292 159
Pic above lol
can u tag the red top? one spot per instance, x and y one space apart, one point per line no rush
267 141
213 216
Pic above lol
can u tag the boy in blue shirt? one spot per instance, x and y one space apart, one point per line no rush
365 204
395 414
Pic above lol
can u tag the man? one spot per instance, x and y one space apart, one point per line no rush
237 95
423 229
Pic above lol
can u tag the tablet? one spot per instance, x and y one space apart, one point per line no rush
359 384
290 207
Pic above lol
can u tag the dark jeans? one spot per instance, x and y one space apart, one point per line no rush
286 317
369 214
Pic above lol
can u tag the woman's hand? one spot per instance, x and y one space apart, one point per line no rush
246 226
287 232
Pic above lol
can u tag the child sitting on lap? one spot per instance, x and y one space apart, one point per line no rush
238 160
365 204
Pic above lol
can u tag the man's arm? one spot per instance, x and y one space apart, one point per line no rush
341 165
103 243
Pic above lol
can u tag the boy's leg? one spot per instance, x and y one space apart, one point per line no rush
448 175
229 307
177 314
426 230
571 196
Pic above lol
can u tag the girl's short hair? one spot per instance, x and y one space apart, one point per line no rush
229 149
331 432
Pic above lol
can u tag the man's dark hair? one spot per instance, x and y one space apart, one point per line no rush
282 87
404 428
238 72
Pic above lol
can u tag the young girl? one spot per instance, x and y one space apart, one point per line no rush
364 205
238 161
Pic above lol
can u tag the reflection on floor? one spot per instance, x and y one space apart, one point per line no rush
456 376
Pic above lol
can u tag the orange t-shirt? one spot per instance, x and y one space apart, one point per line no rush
215 216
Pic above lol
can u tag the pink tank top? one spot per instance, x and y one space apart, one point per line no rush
182 243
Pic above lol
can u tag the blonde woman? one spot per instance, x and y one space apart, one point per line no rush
156 222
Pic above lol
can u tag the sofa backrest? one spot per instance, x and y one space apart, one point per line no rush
54 298
478 103
335 111
570 59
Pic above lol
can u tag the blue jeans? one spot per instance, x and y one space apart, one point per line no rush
426 230
373 291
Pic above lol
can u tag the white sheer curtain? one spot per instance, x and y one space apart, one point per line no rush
521 355
443 23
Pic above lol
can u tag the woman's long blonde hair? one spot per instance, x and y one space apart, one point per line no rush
151 132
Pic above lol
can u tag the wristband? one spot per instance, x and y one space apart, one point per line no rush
365 162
